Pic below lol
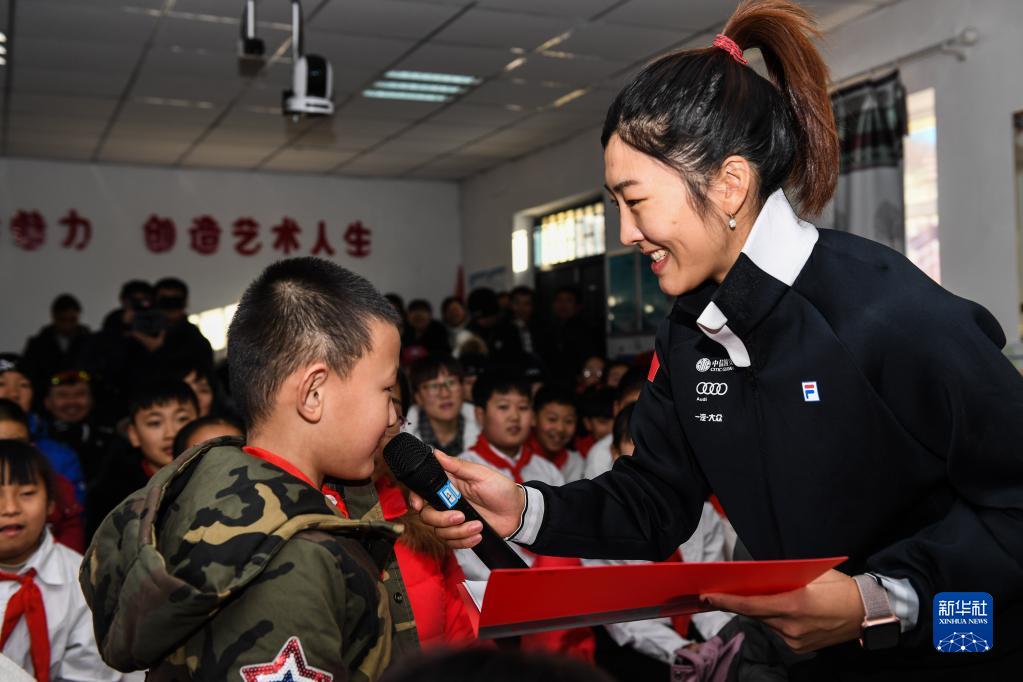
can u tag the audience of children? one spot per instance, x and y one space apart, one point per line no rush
555 424
441 417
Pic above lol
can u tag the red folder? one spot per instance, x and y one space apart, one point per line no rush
521 601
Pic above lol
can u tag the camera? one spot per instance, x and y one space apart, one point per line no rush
312 89
251 49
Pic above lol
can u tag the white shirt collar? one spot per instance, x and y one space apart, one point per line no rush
48 569
779 244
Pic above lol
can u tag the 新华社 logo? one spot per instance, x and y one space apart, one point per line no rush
964 622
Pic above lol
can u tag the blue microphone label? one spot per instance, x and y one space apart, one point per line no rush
964 622
449 495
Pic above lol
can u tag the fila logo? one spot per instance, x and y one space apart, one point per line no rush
810 392
711 388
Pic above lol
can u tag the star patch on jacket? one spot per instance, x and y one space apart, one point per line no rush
289 666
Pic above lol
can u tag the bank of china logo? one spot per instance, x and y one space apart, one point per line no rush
963 622
449 495
711 388
708 365
810 392
703 364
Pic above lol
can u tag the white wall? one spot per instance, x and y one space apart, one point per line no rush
415 227
975 100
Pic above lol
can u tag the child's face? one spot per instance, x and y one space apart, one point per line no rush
441 397
152 430
203 391
506 421
15 386
598 426
555 426
12 430
70 402
23 511
205 433
358 409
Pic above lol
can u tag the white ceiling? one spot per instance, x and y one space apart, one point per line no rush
156 81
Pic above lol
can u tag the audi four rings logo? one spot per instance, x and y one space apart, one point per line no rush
711 388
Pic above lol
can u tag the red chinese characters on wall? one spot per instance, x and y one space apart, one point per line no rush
205 233
159 234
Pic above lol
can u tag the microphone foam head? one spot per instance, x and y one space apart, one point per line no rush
412 462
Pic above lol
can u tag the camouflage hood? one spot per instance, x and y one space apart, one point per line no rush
170 556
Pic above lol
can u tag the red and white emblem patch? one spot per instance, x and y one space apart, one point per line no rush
289 666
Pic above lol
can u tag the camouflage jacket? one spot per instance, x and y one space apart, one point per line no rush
363 503
226 567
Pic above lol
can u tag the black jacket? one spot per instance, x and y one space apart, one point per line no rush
910 462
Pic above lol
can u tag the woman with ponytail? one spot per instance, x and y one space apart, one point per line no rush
836 400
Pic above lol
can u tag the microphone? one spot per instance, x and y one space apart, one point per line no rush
413 463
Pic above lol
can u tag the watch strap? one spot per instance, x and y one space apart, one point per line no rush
876 604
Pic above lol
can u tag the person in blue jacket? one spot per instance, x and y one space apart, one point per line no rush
836 400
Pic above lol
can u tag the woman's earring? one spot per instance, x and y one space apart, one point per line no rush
731 222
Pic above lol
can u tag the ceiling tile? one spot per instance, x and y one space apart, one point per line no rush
307 160
385 18
579 9
356 52
462 112
508 92
45 145
65 82
225 156
503 29
619 43
460 59
95 22
579 71
673 14
391 109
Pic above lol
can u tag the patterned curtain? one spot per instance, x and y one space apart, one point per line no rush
872 122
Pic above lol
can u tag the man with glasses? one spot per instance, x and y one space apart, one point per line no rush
441 418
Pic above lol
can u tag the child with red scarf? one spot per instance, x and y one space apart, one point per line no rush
555 420
505 415
47 626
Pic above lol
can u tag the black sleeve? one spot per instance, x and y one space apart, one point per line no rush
956 382
648 504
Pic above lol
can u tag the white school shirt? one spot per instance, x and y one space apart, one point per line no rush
574 467
598 459
74 655
657 637
537 469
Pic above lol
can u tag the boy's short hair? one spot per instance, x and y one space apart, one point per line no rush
493 382
449 300
189 429
135 287
64 303
172 283
521 290
620 431
483 303
157 392
430 367
597 403
296 312
633 380
22 464
11 411
420 304
555 394
473 364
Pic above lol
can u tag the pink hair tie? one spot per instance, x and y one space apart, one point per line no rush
730 46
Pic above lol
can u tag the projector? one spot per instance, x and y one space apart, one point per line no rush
312 88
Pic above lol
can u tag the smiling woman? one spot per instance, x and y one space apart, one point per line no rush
832 396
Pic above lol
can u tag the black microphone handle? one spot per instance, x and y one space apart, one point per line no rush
493 550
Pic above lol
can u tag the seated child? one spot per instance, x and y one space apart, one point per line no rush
505 415
157 410
52 634
554 426
66 516
232 563
658 639
16 385
203 429
598 460
441 417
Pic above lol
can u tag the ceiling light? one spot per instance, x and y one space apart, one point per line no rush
431 77
514 64
3 62
3 37
419 87
565 99
410 96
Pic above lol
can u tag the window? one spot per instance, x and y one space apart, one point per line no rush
920 184
213 324
567 235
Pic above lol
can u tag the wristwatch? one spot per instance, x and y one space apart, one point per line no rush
881 627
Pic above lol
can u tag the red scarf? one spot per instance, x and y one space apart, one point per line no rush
681 622
557 460
28 601
483 449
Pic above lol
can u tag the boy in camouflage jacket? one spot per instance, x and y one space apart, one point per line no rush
231 563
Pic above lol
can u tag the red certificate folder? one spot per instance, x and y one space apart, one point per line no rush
521 601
